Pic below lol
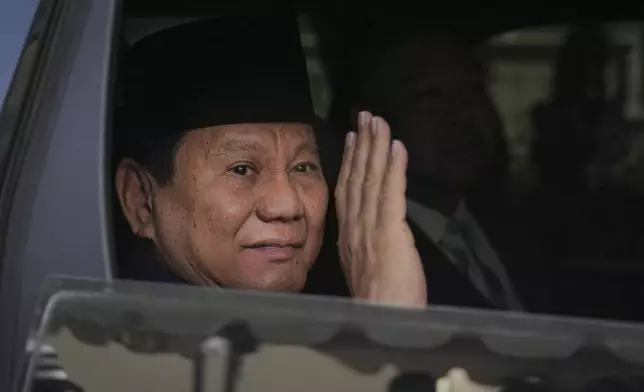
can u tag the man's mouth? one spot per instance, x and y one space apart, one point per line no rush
275 251
277 243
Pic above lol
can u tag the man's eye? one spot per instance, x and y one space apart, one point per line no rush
305 167
242 170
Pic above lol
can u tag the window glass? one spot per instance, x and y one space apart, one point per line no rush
523 67
529 172
16 76
15 20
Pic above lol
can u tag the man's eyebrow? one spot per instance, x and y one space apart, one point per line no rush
240 145
306 147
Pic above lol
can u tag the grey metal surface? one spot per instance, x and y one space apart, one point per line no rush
161 319
55 209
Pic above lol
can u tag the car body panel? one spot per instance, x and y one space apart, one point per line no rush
53 200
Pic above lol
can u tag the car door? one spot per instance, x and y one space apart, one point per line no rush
53 175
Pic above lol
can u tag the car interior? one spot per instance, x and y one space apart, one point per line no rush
567 85
592 234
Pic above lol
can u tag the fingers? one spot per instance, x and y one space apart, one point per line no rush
358 169
345 170
376 169
372 177
393 205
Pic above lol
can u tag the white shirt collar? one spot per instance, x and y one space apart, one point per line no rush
433 221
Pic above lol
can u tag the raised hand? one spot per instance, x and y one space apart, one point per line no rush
377 250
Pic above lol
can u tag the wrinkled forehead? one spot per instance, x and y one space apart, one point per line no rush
257 138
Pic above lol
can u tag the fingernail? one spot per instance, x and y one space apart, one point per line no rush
375 125
350 138
362 116
396 147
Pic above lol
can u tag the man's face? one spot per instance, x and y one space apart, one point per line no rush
443 112
245 208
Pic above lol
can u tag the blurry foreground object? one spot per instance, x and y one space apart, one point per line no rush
123 336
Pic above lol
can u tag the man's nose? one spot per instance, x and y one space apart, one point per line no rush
280 200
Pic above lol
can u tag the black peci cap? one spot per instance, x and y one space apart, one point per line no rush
216 71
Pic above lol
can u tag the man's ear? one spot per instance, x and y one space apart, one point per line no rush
134 187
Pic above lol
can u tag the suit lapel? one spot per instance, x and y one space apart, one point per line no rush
445 284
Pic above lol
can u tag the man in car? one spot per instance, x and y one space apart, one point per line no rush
221 180
431 88
219 176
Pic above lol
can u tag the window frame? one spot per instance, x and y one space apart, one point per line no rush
54 179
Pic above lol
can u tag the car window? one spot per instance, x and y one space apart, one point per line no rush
571 102
15 20
21 45
321 90
555 220
523 66
527 91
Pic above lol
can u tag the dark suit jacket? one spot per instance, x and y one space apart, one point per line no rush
445 284
528 262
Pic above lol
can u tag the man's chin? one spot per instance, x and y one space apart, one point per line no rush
280 287
285 283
